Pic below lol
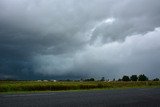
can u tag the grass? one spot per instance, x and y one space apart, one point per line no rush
34 86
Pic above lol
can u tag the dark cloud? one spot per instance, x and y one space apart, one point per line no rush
64 39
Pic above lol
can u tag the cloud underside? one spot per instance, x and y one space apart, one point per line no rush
135 55
73 38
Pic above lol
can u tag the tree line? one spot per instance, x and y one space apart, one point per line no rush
140 77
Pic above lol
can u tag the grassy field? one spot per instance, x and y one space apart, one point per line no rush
28 86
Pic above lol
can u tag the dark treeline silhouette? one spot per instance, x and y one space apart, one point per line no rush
156 79
141 77
91 79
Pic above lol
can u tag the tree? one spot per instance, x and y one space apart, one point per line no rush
134 78
102 79
90 79
114 79
156 79
119 79
125 78
142 77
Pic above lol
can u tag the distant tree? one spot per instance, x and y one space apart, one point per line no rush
102 79
119 79
81 79
114 79
156 79
142 77
68 80
90 79
125 78
134 78
107 80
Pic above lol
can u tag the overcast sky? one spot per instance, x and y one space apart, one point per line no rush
73 39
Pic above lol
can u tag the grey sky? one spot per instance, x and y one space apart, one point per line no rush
79 38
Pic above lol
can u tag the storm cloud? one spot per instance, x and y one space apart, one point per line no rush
78 39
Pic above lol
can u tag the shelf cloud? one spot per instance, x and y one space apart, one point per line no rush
79 39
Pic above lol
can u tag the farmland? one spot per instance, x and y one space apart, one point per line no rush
34 86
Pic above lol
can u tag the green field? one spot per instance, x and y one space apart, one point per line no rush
31 86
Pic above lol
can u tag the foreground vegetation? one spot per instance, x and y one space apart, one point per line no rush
24 86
